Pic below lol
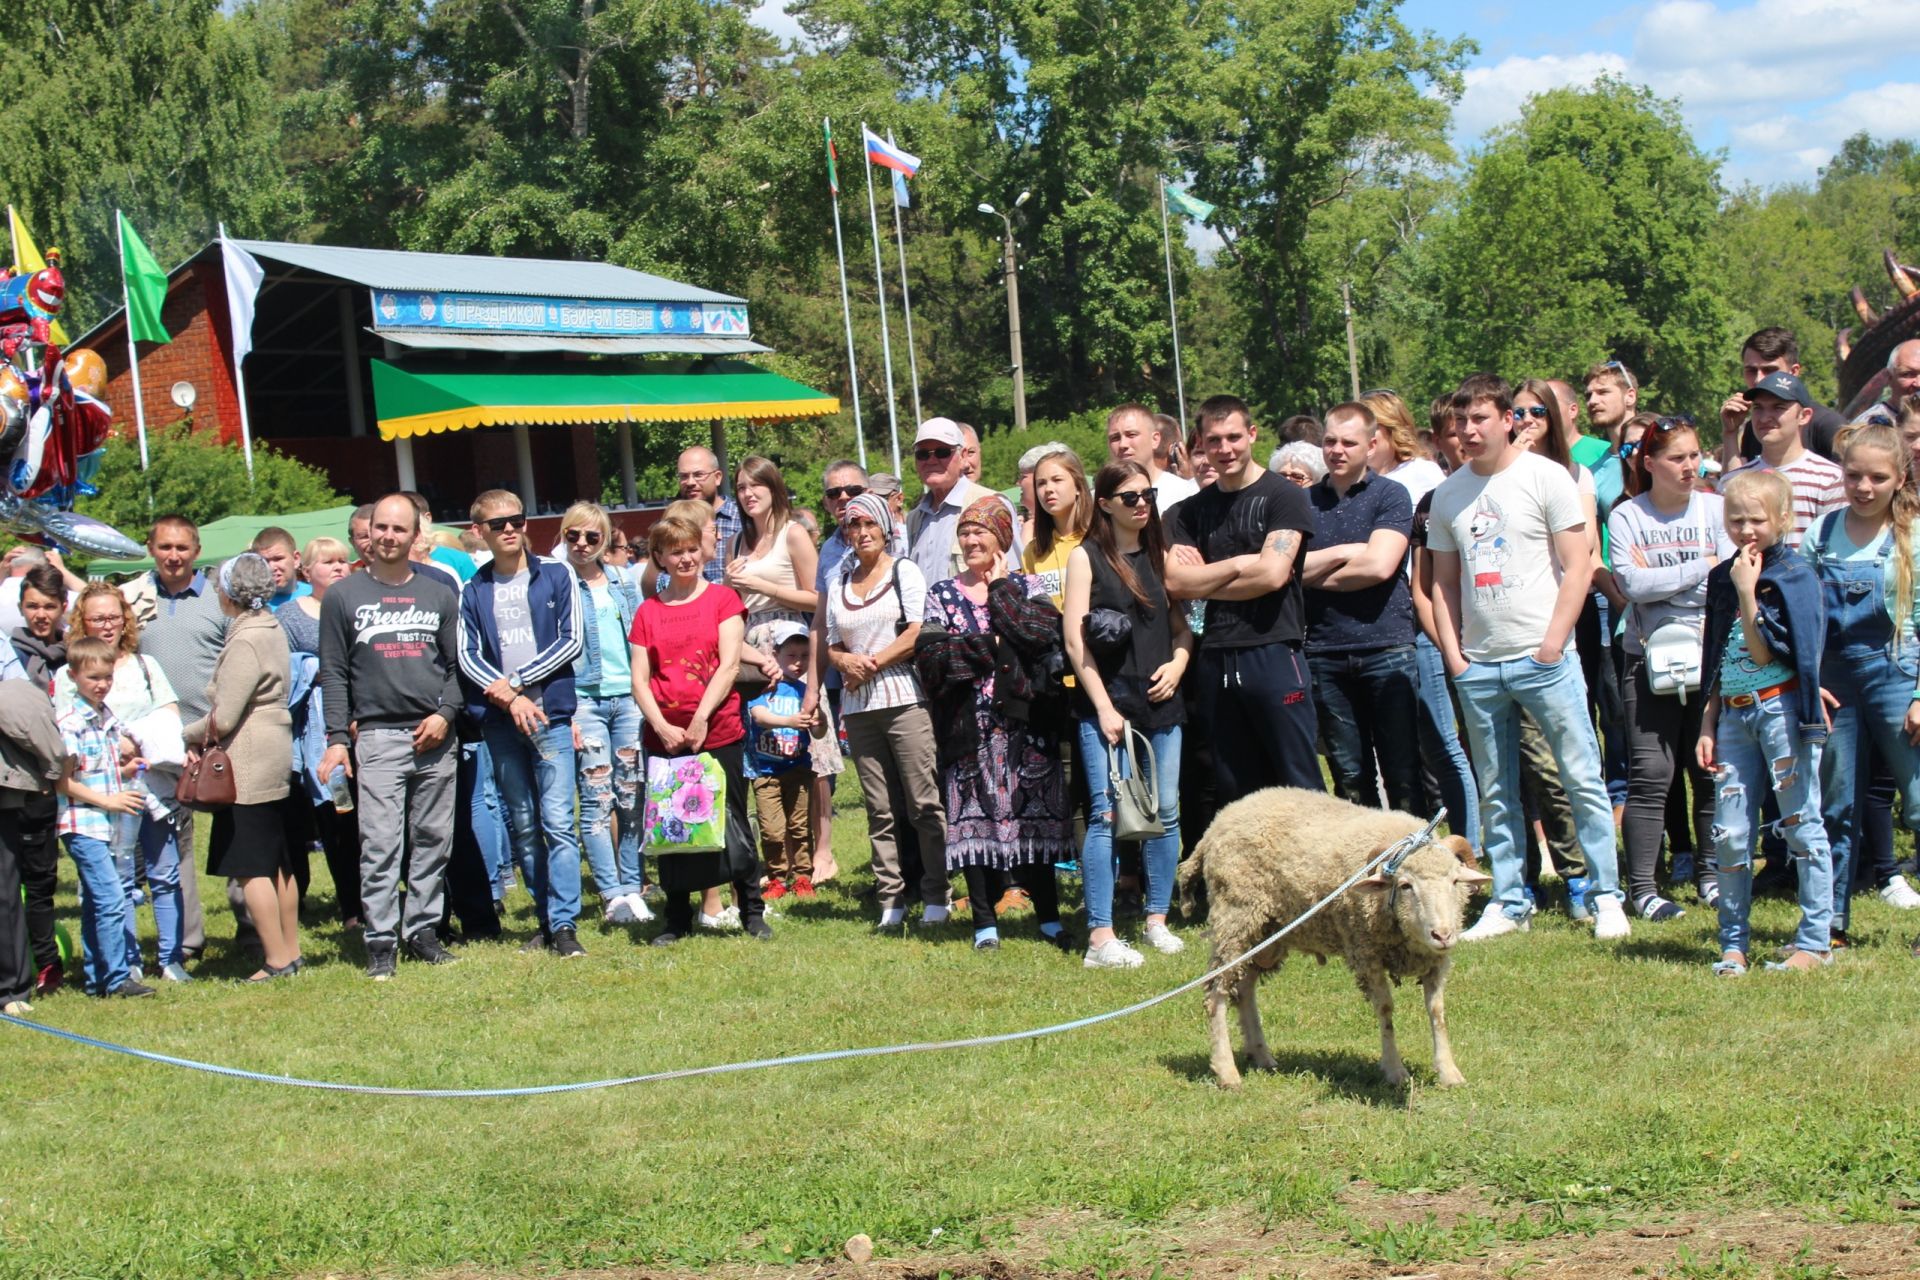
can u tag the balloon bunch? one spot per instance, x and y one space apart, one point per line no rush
53 421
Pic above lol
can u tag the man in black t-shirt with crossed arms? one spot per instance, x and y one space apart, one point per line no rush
1238 544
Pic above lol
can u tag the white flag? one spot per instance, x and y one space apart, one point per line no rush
244 274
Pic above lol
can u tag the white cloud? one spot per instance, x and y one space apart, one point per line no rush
772 16
1770 79
1494 95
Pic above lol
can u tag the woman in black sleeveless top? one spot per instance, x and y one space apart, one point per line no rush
1129 649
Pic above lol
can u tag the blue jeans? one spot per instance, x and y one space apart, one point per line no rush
488 823
611 771
103 914
1759 752
1492 696
536 779
1440 743
1160 855
1368 708
1874 691
160 849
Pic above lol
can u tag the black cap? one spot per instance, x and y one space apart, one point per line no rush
1786 386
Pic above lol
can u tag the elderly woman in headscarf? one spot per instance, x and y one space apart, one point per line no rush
249 719
873 606
993 662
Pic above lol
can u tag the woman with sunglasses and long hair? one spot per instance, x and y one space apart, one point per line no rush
1665 540
1128 664
606 723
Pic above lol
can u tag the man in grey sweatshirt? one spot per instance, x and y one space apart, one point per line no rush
387 667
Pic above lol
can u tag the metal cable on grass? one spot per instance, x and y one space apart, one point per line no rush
1393 854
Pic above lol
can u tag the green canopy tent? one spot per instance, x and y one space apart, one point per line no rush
233 534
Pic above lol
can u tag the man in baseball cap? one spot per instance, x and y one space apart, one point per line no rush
1782 408
933 523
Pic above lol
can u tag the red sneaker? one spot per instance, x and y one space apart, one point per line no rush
773 892
49 980
803 887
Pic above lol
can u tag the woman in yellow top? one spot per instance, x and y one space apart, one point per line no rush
1064 510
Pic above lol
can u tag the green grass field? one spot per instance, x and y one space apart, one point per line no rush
1609 1085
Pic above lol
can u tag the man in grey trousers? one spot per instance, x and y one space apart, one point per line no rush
387 667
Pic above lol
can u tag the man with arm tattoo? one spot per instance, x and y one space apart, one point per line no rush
1238 544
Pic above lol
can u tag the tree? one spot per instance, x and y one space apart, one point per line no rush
193 474
1584 232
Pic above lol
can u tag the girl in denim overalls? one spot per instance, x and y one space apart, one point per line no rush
1864 558
1763 727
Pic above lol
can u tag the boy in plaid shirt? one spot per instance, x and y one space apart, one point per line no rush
93 795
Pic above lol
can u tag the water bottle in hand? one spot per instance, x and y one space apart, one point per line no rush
342 790
126 833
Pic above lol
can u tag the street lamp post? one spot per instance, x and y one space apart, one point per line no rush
1010 269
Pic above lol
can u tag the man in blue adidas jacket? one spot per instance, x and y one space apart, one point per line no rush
519 635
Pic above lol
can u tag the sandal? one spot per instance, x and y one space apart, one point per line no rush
1798 961
17 1009
1728 967
268 972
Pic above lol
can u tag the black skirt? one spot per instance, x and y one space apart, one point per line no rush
248 840
682 873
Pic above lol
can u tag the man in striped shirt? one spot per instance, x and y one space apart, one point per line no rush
1781 410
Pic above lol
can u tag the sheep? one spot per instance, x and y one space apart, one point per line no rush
1271 855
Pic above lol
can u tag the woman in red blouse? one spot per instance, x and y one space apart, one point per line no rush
686 652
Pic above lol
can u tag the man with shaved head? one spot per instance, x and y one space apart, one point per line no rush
700 479
388 664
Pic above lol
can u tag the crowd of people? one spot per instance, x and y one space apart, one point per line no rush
1571 643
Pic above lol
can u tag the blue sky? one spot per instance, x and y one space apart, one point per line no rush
1777 83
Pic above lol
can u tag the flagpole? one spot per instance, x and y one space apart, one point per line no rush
239 376
846 307
1173 317
880 282
133 352
906 301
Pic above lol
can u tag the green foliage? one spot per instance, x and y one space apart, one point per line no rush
1584 233
195 475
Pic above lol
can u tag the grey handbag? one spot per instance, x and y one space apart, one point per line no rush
1136 796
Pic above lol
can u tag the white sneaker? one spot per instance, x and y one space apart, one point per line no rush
893 918
1609 919
935 915
1495 924
729 918
638 908
618 910
1113 954
1898 893
1161 939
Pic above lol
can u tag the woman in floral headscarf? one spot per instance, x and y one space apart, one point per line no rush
991 657
685 653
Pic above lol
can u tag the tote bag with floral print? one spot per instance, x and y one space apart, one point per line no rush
686 804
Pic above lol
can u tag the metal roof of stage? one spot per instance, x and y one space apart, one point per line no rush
471 273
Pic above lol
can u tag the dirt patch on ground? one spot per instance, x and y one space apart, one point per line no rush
1452 1235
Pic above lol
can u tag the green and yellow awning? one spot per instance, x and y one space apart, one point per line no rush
426 401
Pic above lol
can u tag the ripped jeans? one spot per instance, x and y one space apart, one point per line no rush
611 770
1760 748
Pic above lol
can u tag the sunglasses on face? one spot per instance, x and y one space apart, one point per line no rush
1531 411
846 491
1133 497
932 453
518 520
591 537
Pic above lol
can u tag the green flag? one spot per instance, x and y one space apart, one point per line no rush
146 286
833 157
1192 206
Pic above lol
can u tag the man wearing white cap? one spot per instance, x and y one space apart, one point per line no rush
933 523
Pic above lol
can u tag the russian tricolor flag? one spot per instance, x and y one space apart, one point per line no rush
885 154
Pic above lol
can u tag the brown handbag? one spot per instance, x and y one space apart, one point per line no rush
208 783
